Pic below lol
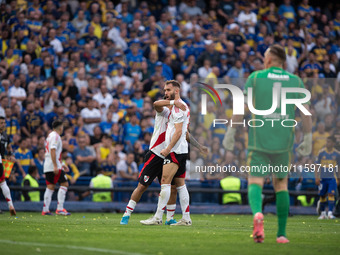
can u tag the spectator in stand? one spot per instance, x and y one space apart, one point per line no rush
83 156
91 116
319 138
127 169
24 158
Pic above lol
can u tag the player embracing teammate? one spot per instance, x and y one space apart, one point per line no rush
175 153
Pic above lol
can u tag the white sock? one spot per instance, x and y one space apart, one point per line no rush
163 199
47 199
184 200
170 211
129 208
7 193
61 197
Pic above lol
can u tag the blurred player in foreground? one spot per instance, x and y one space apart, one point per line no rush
271 145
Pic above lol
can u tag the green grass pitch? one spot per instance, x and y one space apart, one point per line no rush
100 233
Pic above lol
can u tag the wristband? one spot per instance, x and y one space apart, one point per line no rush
172 102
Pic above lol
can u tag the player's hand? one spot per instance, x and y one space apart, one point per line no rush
229 139
55 170
66 169
204 150
179 105
165 152
317 181
305 148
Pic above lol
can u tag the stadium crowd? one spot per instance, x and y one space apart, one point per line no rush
99 65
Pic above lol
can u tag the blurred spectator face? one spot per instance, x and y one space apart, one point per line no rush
27 59
8 112
41 154
30 107
23 144
130 158
321 127
60 111
97 131
134 120
82 142
90 104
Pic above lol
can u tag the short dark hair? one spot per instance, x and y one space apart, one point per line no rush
174 83
32 169
22 139
278 51
332 138
106 136
56 124
2 118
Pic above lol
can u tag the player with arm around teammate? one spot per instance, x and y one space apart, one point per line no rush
175 153
154 162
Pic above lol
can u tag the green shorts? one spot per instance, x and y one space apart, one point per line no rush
262 164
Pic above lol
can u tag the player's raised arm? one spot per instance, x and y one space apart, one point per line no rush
158 105
305 148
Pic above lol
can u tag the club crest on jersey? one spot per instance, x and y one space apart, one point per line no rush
146 178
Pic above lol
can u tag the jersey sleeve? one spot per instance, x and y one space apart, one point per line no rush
54 141
178 115
165 113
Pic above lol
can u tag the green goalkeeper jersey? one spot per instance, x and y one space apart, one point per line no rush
272 137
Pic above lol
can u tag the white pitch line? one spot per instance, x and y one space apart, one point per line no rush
69 247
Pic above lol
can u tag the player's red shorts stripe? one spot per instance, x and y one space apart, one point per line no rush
56 177
173 158
181 176
146 163
160 139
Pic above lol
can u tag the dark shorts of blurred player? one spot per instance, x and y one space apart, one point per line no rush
52 178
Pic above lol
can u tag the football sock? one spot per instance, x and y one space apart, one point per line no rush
255 198
323 203
282 211
183 195
47 199
129 208
331 203
163 199
61 197
7 193
170 211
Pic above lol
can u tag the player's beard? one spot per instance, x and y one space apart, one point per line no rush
171 97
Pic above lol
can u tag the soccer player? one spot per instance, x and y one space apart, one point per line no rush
54 170
154 161
327 177
175 153
271 145
5 148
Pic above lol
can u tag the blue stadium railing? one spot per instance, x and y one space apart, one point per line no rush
208 191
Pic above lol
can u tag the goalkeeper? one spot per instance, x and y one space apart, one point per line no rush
271 144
